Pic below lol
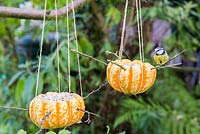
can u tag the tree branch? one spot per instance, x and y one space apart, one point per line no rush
12 12
188 69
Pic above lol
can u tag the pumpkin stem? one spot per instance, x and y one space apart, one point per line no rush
115 54
117 64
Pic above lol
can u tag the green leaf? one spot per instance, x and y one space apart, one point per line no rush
64 132
106 47
124 132
19 89
108 129
21 131
113 16
73 85
50 132
2 29
86 46
15 77
28 89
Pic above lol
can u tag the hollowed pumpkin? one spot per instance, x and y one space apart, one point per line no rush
137 77
56 110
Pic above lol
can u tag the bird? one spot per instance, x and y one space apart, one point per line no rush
160 56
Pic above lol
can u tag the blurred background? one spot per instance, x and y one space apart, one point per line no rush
171 106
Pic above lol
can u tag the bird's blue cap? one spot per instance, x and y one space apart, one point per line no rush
158 49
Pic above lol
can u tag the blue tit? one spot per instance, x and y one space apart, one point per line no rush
160 56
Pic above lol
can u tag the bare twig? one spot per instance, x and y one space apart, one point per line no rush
38 132
176 56
171 66
88 113
42 122
126 54
189 69
89 57
96 90
37 14
88 119
117 64
45 117
13 108
115 54
174 67
167 66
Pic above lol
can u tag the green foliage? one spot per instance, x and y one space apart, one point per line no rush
113 16
50 132
154 118
184 20
177 114
86 46
21 131
64 132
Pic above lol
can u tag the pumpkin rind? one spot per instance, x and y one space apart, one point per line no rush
136 78
56 110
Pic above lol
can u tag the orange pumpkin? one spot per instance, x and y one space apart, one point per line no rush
56 110
136 78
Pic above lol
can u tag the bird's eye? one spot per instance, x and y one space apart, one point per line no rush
160 52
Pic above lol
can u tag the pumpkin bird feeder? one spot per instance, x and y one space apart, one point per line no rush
62 109
135 76
131 77
56 110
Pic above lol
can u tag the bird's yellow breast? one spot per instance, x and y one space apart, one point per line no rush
161 59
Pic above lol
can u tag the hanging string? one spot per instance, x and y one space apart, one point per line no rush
79 69
141 31
68 50
58 57
138 27
140 37
123 31
41 44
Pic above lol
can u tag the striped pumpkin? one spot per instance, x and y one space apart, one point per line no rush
56 110
136 78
